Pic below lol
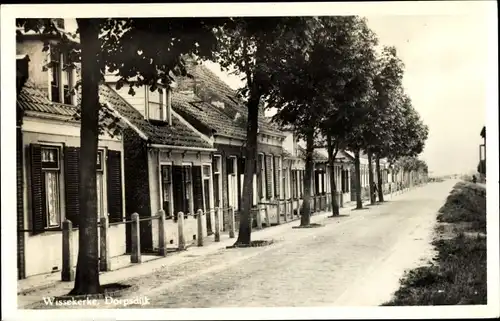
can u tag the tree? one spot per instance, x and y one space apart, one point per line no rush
140 51
411 137
316 92
253 47
348 55
380 121
355 138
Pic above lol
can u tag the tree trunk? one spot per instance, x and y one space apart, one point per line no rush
87 268
333 186
245 230
305 218
379 180
370 178
357 169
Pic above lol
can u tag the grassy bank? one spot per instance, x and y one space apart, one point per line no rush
458 273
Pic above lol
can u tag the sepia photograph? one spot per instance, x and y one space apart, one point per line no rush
320 160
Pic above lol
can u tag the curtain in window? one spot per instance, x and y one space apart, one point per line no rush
100 204
52 196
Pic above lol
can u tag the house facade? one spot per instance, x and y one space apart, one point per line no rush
215 110
48 143
294 165
168 165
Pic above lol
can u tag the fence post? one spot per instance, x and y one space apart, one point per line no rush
278 210
135 257
67 273
180 231
104 264
163 234
231 222
266 212
199 219
259 217
286 210
217 223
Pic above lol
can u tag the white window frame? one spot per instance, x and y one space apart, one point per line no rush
59 71
272 176
210 186
263 175
191 192
60 184
233 192
163 105
219 179
171 188
104 189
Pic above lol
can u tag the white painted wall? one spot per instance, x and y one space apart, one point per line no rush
43 252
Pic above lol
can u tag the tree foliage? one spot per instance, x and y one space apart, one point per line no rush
255 48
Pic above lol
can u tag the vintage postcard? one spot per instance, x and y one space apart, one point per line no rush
261 160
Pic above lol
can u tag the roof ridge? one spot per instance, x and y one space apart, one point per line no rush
227 89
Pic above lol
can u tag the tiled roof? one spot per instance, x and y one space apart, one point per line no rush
178 134
316 155
34 99
207 114
209 85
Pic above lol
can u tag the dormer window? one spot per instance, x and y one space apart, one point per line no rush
158 104
60 80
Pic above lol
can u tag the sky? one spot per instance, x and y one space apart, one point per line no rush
445 75
446 68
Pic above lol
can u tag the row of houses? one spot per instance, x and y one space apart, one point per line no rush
179 149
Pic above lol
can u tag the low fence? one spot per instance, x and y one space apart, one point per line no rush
174 232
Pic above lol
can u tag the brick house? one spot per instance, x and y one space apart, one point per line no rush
215 110
48 139
168 164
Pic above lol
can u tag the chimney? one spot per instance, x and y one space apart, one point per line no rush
22 73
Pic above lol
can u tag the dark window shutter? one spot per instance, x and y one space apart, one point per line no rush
229 166
115 208
72 183
197 189
269 176
241 166
177 184
39 221
258 166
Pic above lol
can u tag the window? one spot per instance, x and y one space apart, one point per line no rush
284 186
277 178
188 185
232 183
216 166
60 80
301 183
156 104
50 186
262 176
99 184
294 184
206 187
270 179
166 189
